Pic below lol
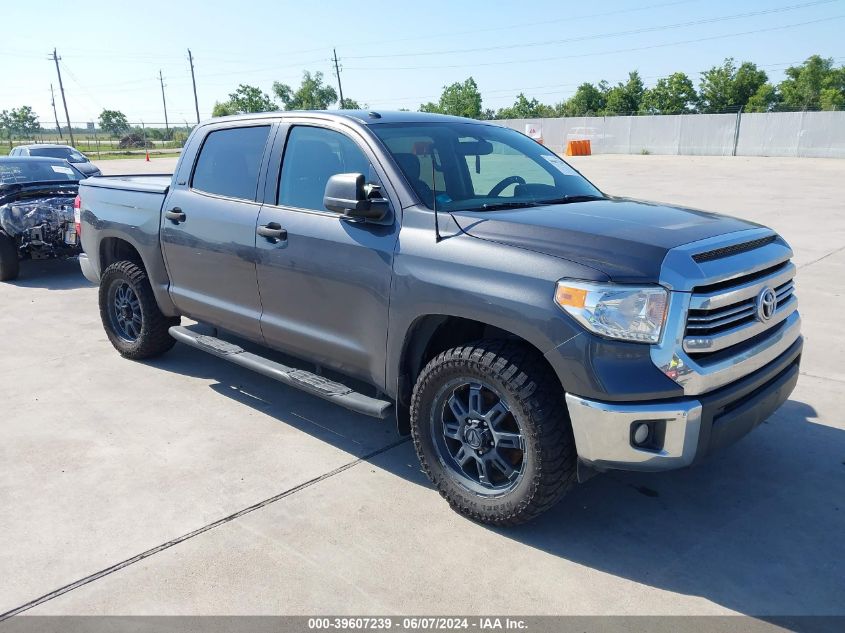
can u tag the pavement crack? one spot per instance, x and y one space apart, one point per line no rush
830 378
816 261
210 526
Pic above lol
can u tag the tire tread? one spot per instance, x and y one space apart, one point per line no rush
154 339
537 390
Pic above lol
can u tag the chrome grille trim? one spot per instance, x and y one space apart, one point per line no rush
720 319
710 313
718 295
722 298
734 336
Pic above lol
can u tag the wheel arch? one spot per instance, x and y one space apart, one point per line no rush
115 249
431 334
111 248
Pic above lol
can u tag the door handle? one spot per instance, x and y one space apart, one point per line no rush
273 232
176 215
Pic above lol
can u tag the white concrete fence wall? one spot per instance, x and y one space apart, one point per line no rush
811 134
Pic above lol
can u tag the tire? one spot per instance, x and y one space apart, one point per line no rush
531 412
131 317
10 264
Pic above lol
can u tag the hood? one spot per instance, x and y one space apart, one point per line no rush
625 239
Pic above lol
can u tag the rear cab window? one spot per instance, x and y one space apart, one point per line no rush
229 162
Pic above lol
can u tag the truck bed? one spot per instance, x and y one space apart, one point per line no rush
150 183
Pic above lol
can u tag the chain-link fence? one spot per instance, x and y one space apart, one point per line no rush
90 138
807 134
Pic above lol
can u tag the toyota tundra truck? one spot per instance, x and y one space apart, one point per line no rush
524 328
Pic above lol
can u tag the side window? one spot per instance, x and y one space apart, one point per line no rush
229 161
312 156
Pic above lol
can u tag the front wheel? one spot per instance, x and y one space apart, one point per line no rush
491 430
9 261
131 317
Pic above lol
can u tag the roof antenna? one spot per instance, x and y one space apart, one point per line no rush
437 237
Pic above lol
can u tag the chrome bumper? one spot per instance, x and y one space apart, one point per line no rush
683 431
603 433
88 269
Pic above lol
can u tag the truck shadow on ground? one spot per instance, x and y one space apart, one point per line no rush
757 529
51 274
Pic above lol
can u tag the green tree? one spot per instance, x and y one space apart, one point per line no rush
814 84
587 100
245 99
351 104
224 108
312 94
114 122
728 87
625 98
6 125
763 100
458 99
19 122
674 94
525 109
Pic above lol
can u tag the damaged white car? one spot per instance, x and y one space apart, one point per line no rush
37 197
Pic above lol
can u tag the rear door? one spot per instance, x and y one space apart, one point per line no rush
325 287
208 229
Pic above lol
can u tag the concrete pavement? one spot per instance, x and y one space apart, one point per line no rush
139 481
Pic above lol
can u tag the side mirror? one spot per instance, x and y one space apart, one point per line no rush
347 194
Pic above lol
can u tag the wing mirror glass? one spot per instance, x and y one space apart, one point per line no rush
348 194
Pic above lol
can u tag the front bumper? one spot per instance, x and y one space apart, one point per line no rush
88 270
683 430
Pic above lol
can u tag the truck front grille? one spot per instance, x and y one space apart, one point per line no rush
724 316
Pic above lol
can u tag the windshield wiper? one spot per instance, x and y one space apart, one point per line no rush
492 206
568 199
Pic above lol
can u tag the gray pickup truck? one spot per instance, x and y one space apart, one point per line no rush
526 329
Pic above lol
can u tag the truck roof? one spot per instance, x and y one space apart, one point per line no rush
366 117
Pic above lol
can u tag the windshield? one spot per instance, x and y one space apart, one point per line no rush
472 166
22 171
68 153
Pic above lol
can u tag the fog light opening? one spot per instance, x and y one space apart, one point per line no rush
641 434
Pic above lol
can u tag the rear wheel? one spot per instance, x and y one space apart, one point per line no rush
131 317
10 264
491 430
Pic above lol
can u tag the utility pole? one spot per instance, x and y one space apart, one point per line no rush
164 102
55 116
337 72
194 81
56 59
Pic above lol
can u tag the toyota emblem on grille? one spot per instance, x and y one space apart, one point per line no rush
767 303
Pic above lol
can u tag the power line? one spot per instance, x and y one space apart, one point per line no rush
568 19
610 52
597 36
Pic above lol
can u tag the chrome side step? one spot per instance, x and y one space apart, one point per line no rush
300 379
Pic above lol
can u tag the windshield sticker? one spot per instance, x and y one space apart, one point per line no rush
62 170
558 164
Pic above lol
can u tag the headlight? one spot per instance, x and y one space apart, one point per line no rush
627 313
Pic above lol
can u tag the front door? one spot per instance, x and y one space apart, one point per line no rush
208 231
325 287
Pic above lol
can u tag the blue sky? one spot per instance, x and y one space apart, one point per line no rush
393 54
